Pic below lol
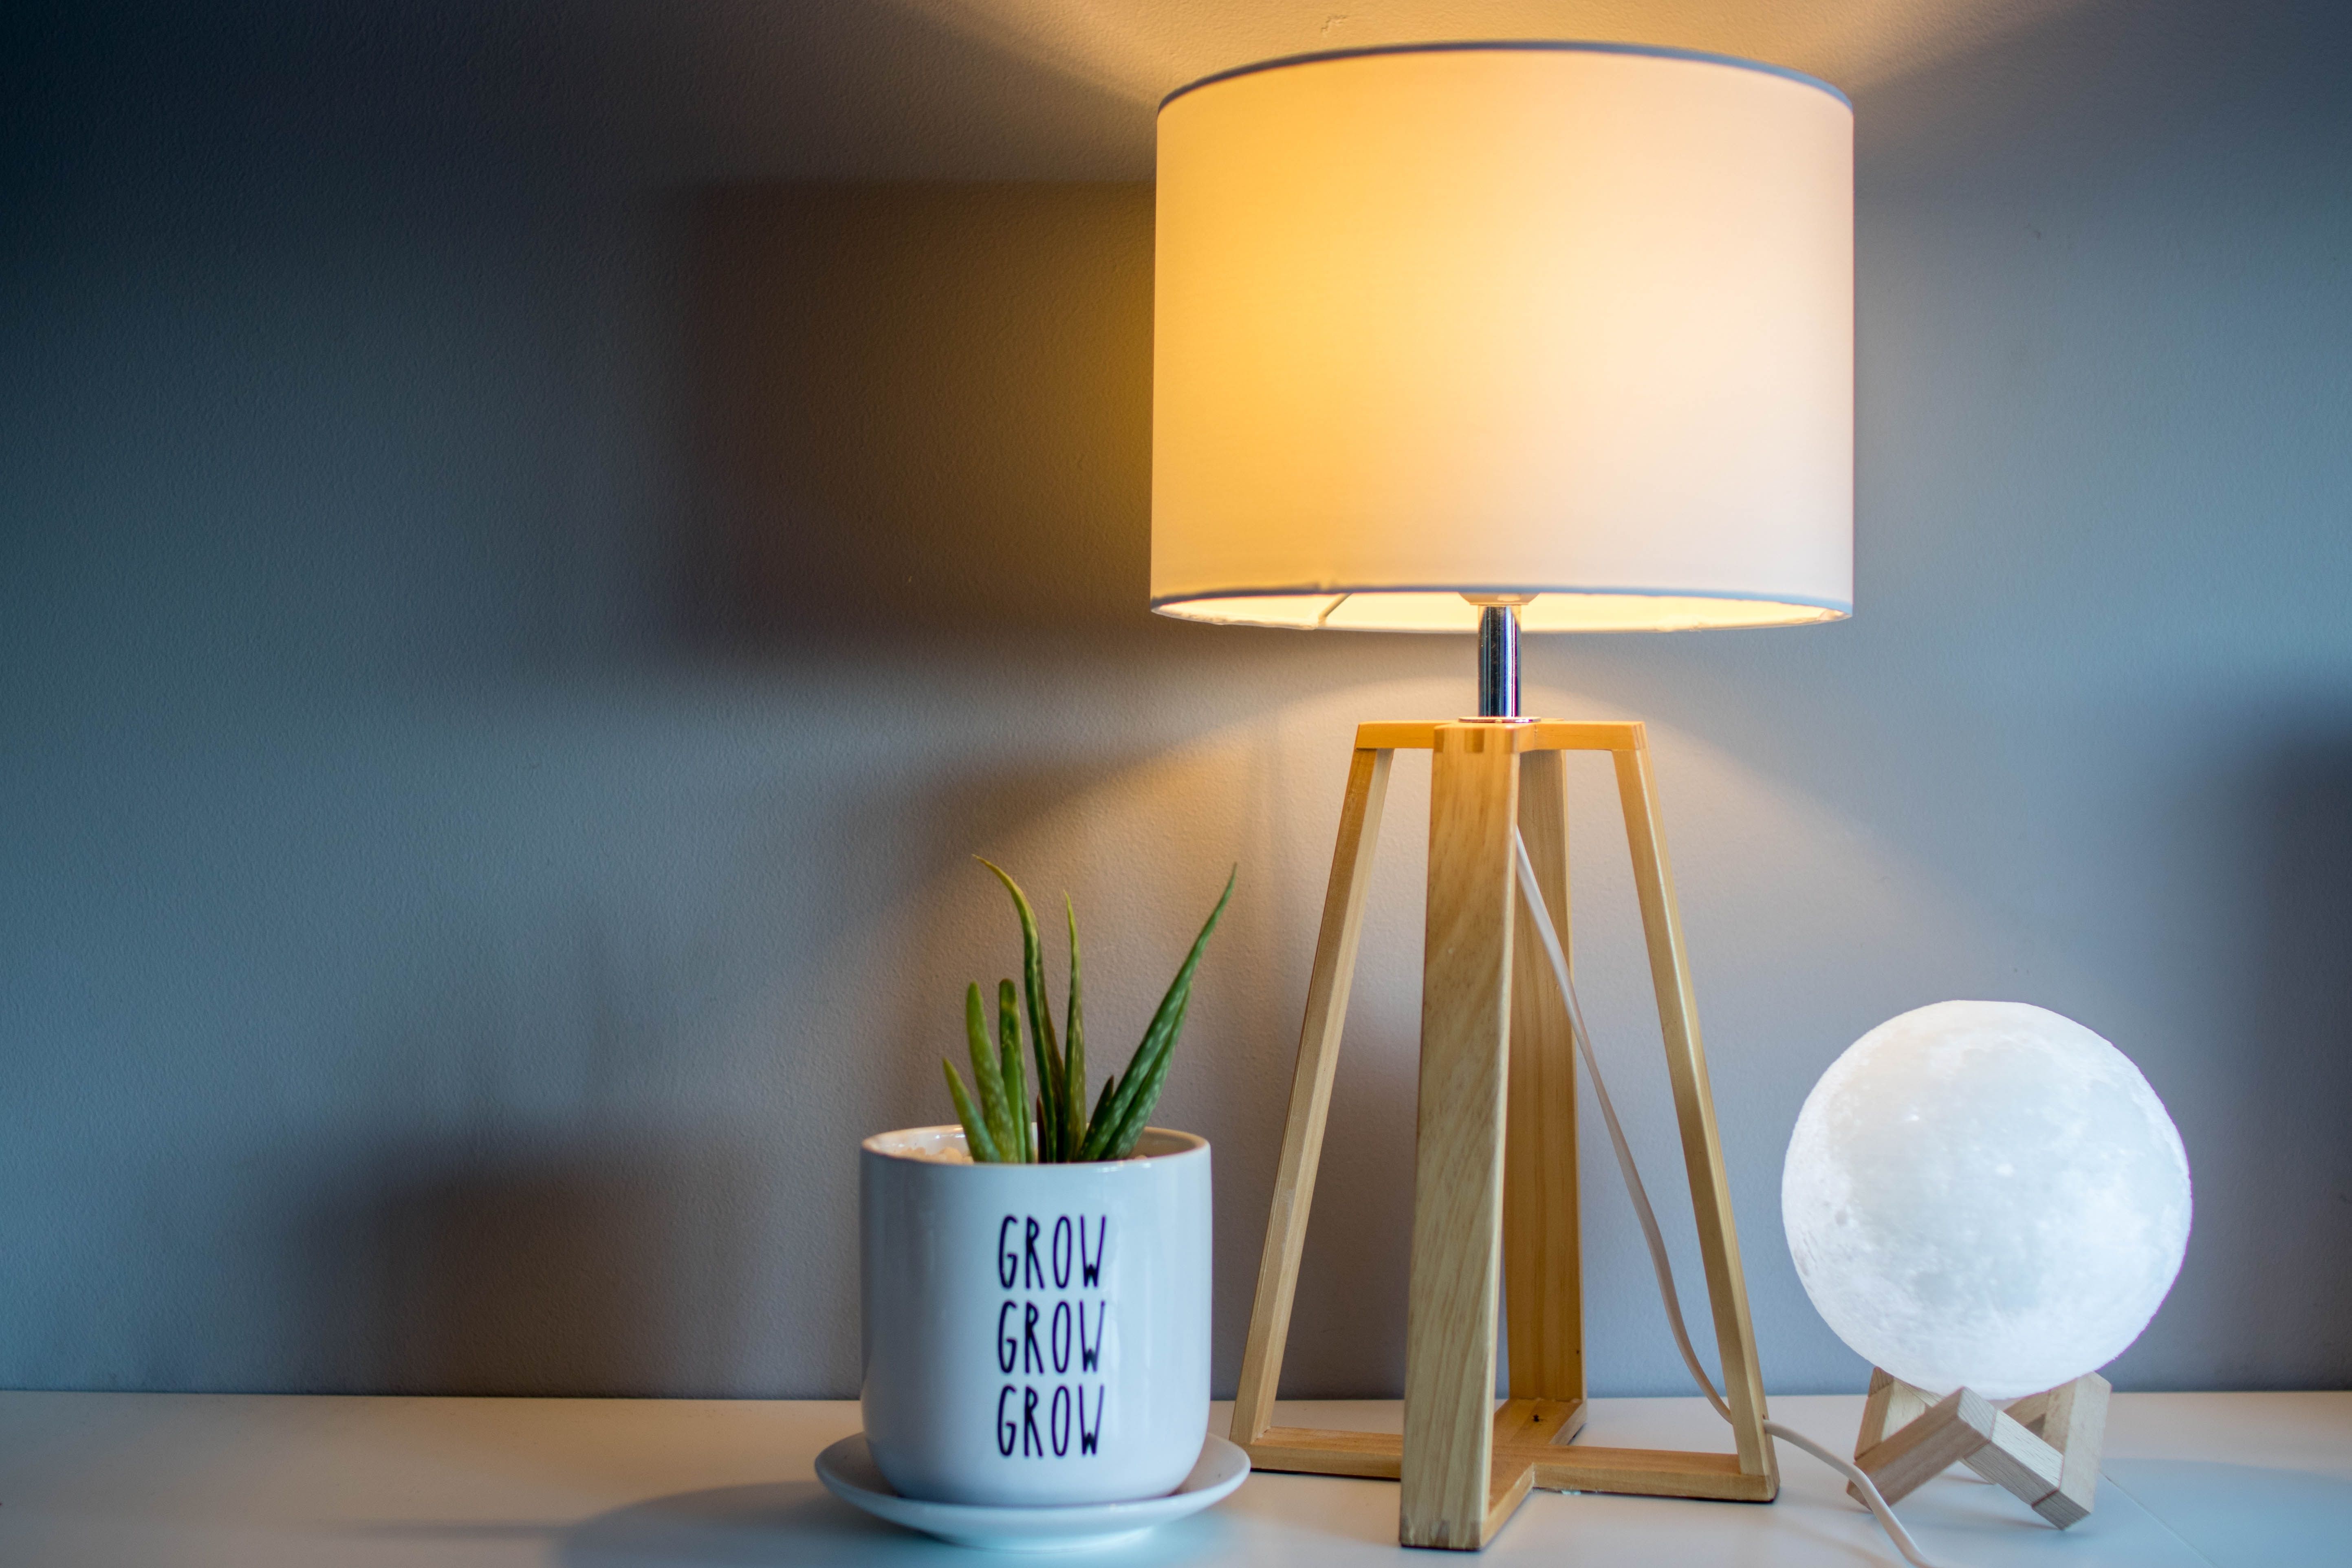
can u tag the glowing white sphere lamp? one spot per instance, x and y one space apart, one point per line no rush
1987 1202
1985 1194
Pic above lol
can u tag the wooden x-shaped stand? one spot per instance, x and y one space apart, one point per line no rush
1494 1201
2044 1449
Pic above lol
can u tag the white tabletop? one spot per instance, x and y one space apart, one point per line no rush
259 1481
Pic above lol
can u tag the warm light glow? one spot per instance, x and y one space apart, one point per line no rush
1573 322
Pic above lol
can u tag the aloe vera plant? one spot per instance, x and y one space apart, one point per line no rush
1002 1124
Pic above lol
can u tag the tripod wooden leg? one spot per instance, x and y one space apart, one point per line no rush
1454 1281
1710 1186
1310 1091
1542 1284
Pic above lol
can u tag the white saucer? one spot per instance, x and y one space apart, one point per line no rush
848 1472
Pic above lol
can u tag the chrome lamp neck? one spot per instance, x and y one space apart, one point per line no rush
1499 661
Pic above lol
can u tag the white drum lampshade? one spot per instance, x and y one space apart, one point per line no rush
1569 324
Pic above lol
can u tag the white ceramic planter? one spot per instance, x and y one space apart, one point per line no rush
1034 1334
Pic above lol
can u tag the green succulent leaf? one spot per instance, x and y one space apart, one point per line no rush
975 1131
1138 1090
987 1074
1022 1149
1102 1104
1128 1132
1053 1090
1075 1041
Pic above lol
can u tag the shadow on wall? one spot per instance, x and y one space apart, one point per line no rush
919 413
491 1267
919 410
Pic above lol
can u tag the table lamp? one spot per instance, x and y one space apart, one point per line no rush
1502 337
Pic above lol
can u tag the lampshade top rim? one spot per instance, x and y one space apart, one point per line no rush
1506 45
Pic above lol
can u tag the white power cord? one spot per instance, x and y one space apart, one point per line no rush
1533 895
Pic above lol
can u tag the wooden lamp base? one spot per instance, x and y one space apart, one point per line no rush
1494 1200
2044 1449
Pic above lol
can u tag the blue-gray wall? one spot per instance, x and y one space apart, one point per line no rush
515 603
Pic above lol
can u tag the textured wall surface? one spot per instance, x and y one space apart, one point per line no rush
534 541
